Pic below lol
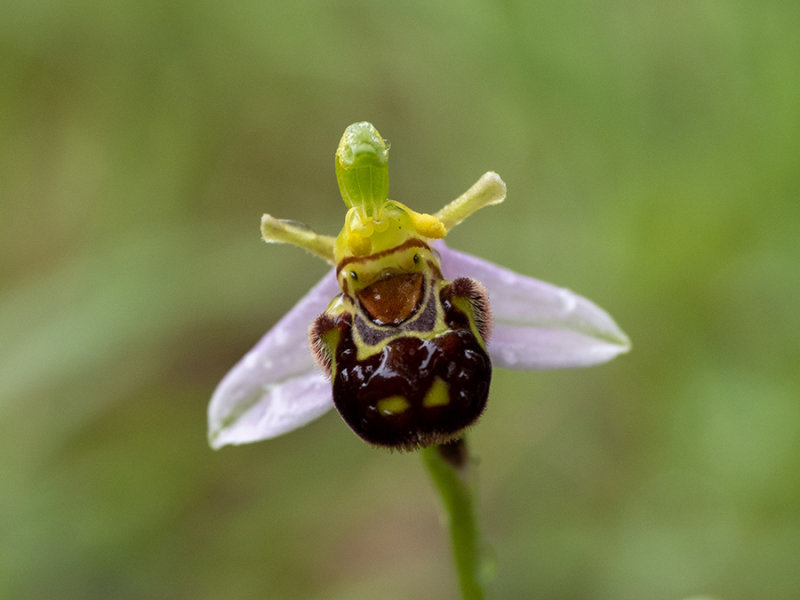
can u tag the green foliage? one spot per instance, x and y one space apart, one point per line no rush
650 152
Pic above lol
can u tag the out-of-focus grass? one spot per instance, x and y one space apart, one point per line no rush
651 153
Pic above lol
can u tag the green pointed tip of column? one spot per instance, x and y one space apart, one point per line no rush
362 167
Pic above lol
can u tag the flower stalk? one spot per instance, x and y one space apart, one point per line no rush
449 466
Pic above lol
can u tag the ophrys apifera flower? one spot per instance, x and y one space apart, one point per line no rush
401 335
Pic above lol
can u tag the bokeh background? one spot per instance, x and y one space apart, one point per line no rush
652 155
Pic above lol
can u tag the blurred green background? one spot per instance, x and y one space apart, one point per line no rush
652 155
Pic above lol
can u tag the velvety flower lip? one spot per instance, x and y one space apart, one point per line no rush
277 386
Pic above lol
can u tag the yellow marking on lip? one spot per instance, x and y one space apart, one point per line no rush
438 395
428 225
392 405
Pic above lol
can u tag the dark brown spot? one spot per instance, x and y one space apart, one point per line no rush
454 452
392 300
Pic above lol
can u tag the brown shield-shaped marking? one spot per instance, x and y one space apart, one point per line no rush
392 300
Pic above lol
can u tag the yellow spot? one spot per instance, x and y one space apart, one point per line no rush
438 395
428 225
393 405
359 245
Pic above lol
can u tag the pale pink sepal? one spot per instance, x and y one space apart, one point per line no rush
538 325
277 386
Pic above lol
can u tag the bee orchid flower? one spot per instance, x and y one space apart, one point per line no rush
401 335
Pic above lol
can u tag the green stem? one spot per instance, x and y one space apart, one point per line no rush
448 466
